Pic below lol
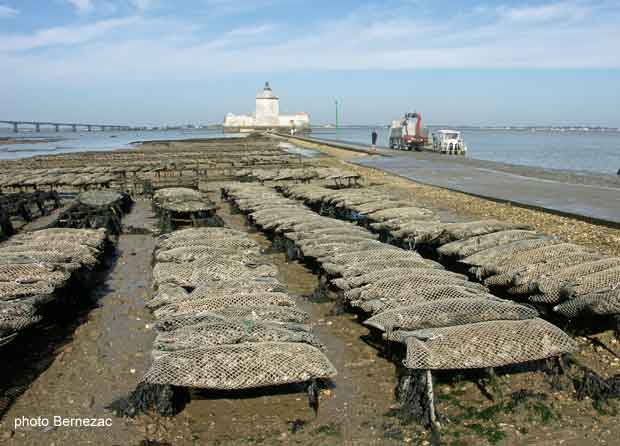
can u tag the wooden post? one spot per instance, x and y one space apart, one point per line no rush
431 400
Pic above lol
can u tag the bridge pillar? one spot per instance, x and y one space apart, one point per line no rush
37 127
57 128
90 128
15 129
74 128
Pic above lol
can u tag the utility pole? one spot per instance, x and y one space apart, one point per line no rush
336 102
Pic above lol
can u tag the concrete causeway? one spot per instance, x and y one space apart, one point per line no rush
586 196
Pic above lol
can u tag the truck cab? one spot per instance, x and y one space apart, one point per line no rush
407 133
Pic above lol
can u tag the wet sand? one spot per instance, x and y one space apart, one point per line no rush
96 357
17 141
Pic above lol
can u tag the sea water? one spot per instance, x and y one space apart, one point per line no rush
67 141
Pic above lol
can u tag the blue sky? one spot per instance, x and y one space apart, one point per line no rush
163 61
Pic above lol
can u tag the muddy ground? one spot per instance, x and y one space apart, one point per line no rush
80 364
11 141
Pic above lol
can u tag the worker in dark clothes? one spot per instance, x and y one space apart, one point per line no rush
374 136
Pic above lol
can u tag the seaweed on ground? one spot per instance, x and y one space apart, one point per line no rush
163 399
411 393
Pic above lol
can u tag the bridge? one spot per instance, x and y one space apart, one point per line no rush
74 126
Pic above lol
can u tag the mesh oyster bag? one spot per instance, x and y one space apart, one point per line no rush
215 303
447 313
406 285
233 332
240 366
423 294
100 198
377 206
360 268
237 285
53 258
417 213
533 256
306 222
363 254
352 237
94 238
467 247
598 303
272 212
418 232
166 294
299 233
81 254
460 231
331 249
518 273
609 278
272 314
194 273
483 344
19 280
200 233
504 252
19 314
317 225
231 243
382 253
187 320
392 273
192 253
395 224
176 192
549 287
524 282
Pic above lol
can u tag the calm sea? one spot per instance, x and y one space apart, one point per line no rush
96 140
589 151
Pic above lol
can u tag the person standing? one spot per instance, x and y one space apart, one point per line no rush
374 137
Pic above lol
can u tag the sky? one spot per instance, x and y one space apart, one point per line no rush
154 62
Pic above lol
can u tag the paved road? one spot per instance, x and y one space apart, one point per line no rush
599 203
589 196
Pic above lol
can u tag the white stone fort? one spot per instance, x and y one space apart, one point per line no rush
267 116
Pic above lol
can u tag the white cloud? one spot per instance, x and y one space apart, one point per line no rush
63 35
82 6
143 5
6 12
217 8
544 13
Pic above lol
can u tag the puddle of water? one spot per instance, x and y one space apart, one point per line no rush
296 150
